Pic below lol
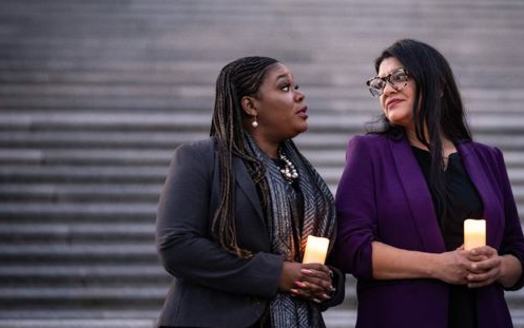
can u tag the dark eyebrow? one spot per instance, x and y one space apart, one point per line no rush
282 76
391 72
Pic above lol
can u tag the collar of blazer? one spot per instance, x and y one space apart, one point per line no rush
246 184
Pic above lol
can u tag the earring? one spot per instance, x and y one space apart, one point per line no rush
254 123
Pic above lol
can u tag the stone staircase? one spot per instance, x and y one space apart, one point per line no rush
95 96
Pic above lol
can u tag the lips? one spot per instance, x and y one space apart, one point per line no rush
302 112
392 102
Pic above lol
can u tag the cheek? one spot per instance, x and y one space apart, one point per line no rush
382 105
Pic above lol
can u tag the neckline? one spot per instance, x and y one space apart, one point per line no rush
424 151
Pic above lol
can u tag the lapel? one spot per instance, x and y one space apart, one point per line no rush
472 164
244 181
418 196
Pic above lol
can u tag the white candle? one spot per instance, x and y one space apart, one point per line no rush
474 233
316 250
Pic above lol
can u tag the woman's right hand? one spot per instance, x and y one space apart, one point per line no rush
452 267
309 281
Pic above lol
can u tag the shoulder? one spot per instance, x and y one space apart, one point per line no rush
195 156
196 149
482 150
489 156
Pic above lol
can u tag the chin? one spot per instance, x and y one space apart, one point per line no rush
399 120
302 129
296 132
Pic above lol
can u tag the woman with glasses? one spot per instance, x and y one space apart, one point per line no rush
403 198
237 208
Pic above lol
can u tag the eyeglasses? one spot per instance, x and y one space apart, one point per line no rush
398 79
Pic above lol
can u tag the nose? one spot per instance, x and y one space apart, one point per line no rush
388 89
299 96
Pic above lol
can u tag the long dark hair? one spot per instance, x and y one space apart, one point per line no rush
437 107
237 79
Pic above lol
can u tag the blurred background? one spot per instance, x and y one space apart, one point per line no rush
95 96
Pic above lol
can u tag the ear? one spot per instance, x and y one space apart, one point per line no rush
248 105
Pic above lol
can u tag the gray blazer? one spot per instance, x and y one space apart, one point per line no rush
214 288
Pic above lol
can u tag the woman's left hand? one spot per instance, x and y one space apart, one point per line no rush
315 283
486 267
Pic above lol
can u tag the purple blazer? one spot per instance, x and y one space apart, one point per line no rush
383 196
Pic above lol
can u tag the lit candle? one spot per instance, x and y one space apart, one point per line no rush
474 233
316 250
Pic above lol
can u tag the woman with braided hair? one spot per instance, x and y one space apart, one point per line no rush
236 210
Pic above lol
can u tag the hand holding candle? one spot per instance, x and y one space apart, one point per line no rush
474 233
316 250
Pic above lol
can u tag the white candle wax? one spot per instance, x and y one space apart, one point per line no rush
474 233
316 250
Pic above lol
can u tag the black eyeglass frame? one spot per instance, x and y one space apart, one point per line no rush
387 79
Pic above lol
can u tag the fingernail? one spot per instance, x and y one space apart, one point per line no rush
306 271
294 291
332 289
474 252
326 296
300 284
474 266
316 300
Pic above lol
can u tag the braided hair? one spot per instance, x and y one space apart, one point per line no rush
242 77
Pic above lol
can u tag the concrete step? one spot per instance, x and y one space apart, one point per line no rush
88 175
86 275
143 157
329 9
79 192
355 91
203 73
320 80
107 28
76 232
343 122
95 174
79 254
328 163
70 315
95 298
132 103
152 140
78 212
333 318
114 193
78 323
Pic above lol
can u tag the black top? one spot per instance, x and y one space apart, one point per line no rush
462 201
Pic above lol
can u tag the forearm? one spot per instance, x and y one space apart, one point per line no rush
395 263
511 270
204 262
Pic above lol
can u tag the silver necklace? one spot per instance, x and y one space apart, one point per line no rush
289 172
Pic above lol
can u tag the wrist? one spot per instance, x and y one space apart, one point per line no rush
433 266
287 276
510 271
503 270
